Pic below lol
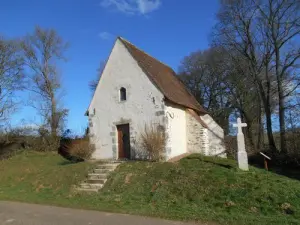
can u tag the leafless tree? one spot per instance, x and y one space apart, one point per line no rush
245 100
11 76
43 49
219 84
93 84
264 33
281 22
203 72
239 31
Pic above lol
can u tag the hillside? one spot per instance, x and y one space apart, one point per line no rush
196 188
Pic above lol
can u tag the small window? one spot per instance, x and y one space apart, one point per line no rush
94 111
123 94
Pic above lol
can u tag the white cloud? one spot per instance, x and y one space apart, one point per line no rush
132 7
105 35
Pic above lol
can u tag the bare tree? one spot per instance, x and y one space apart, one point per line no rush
203 72
11 76
218 82
94 83
245 100
281 22
240 33
42 50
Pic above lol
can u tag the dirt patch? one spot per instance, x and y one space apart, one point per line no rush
127 178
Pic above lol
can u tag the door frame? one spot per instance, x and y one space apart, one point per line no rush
117 139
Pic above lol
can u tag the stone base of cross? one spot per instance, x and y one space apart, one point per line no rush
242 154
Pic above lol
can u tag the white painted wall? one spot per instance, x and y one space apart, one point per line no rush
215 136
144 102
176 130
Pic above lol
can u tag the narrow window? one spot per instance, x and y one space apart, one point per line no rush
122 94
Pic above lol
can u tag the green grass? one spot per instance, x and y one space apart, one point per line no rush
196 188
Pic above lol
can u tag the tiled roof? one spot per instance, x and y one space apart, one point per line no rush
164 78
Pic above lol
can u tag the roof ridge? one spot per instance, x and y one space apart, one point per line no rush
152 67
123 39
175 74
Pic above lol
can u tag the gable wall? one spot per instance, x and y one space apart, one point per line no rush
144 104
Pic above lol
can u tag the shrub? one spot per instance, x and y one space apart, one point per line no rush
8 150
37 139
43 144
12 141
77 150
153 142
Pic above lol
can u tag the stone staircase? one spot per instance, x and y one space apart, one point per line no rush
97 178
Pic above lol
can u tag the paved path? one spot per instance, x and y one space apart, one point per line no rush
13 213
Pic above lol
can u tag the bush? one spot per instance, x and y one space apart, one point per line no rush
12 141
153 142
9 150
76 150
37 139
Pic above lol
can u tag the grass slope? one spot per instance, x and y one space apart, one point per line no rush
196 188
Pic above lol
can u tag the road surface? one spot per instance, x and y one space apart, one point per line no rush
13 213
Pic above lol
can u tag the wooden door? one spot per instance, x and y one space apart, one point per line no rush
123 141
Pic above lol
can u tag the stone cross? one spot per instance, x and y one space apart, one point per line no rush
242 154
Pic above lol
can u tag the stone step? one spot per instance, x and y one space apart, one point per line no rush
96 181
107 166
90 186
87 190
102 171
97 176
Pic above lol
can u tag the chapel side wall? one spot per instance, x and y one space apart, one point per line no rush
176 130
195 135
215 137
144 104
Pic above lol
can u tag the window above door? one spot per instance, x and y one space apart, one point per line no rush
123 94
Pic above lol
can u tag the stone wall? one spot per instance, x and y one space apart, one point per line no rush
196 135
215 137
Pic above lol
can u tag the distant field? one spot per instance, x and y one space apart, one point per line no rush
196 188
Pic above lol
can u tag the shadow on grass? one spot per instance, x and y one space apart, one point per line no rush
289 170
226 163
63 163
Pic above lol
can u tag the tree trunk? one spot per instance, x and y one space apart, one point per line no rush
268 114
281 104
259 128
282 121
248 133
53 117
272 145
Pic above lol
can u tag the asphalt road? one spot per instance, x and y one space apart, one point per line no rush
14 213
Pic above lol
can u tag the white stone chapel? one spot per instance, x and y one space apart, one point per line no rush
136 89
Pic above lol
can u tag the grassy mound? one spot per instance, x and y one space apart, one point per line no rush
204 188
196 188
39 177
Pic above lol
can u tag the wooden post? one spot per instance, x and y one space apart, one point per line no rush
266 158
266 164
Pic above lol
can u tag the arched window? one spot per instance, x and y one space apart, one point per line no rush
122 94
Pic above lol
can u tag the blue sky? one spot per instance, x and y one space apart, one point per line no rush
166 29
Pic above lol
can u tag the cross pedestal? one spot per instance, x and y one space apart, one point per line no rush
242 154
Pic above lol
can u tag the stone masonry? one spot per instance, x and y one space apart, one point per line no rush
196 135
